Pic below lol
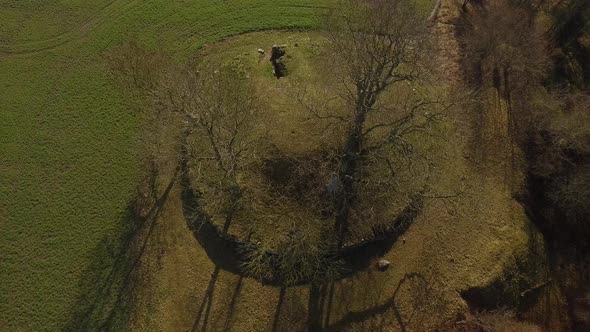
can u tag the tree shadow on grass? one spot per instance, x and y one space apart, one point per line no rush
321 302
107 284
203 315
232 305
206 303
314 317
277 316
291 312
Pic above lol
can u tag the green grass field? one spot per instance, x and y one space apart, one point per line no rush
67 165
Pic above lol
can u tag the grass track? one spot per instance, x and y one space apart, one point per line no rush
67 167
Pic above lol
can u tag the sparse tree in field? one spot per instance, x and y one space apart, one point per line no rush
214 115
375 46
221 110
215 111
372 48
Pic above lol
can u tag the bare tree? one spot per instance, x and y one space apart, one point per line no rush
213 109
375 46
137 71
214 113
222 112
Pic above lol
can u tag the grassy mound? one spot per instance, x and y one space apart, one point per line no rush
283 181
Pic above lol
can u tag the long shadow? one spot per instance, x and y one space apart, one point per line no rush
232 305
102 304
314 314
361 316
277 317
206 303
330 302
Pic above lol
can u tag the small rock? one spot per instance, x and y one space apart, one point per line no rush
383 265
261 51
296 44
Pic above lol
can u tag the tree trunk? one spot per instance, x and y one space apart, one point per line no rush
348 167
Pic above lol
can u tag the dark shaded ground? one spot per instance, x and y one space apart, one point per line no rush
107 284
